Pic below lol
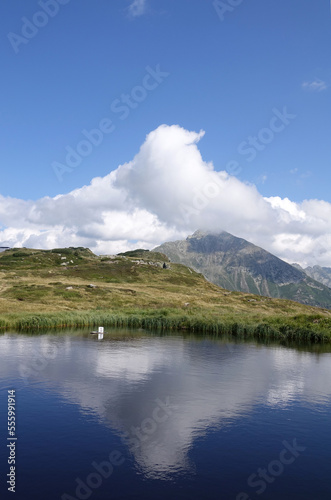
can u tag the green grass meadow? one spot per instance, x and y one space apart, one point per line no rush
72 287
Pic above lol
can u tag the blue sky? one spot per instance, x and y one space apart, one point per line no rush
227 74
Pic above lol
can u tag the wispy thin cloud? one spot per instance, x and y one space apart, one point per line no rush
315 85
137 8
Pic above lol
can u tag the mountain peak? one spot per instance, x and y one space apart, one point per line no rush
202 234
236 264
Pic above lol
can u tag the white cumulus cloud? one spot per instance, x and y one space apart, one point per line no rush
166 192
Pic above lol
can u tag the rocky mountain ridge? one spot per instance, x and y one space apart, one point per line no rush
318 273
236 264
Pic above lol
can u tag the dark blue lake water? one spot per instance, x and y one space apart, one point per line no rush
143 416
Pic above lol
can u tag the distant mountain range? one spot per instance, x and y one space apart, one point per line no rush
235 264
318 273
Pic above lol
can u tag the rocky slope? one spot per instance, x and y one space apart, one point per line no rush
318 273
236 264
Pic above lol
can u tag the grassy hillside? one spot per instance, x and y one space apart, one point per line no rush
72 286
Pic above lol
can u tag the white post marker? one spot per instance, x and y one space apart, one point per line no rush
100 329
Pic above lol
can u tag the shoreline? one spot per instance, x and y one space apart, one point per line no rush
307 329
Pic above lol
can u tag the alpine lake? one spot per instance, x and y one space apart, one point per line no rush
146 415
